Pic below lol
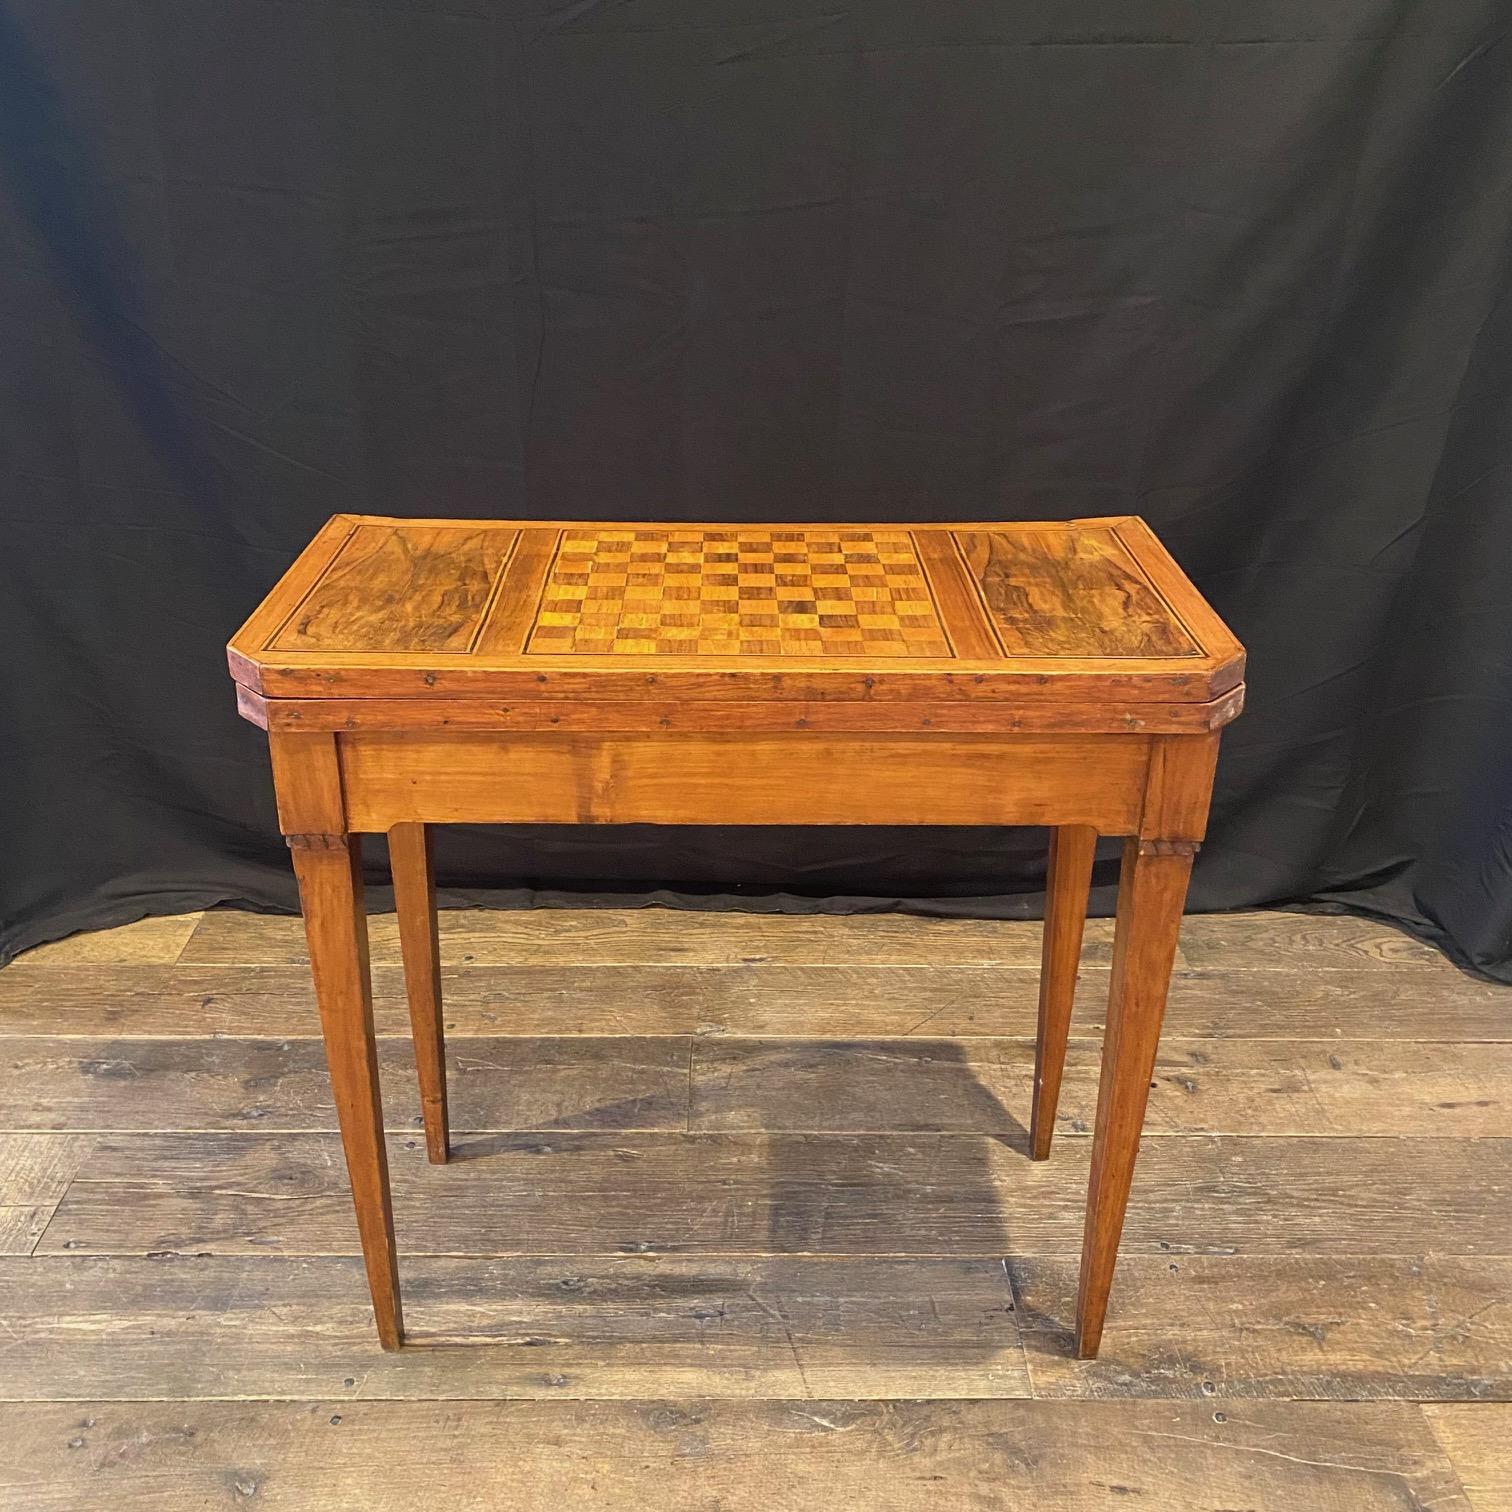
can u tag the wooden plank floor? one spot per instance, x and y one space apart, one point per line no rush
740 1217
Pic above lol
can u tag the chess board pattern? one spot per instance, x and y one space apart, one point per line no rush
737 592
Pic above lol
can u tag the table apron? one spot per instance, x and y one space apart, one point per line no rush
782 778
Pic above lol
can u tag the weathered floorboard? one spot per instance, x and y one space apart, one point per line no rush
1344 1235
1277 941
159 940
1200 1087
1411 1004
649 937
566 1082
548 1193
35 1170
928 1194
1477 1437
1231 942
1431 1327
738 1457
254 1325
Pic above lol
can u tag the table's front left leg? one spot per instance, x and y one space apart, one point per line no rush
329 869
1152 889
328 863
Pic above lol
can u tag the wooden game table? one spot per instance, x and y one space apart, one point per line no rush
420 672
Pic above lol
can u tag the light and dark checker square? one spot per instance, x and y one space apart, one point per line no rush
743 592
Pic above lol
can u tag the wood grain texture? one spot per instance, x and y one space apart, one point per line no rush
1298 945
249 643
917 1083
1412 1005
549 1193
737 1457
558 1327
684 1267
863 1086
330 895
763 615
749 1193
1420 1328
1076 593
1363 1088
1011 686
824 717
35 1171
793 777
657 936
1475 1437
1198 1086
307 789
400 588
1178 791
1067 878
576 1082
412 865
1151 890
22 1224
1304 943
155 941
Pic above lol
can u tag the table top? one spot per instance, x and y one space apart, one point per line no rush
1077 610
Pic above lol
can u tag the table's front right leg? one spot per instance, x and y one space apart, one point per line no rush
1151 891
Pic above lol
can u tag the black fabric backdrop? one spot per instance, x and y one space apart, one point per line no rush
1234 265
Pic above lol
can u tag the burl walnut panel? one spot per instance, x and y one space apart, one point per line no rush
1070 593
400 589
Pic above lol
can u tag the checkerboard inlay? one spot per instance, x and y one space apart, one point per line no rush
738 592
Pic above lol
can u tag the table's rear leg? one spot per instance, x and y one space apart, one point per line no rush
1066 886
1151 891
415 903
330 891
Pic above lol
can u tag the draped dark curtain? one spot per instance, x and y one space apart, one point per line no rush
1237 266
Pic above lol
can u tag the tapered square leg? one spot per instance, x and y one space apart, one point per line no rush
415 902
1151 892
330 892
1067 885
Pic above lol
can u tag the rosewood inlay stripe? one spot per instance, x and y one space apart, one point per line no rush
740 592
